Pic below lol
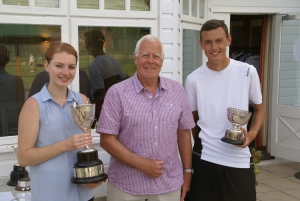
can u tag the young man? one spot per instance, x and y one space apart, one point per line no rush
144 121
102 68
222 171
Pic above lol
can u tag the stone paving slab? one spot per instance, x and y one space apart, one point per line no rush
295 193
281 184
275 196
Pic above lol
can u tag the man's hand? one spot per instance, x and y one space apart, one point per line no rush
187 178
152 168
248 137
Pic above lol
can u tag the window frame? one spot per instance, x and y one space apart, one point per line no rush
189 26
189 18
76 22
31 9
7 142
127 13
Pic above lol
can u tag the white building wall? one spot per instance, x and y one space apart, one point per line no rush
256 6
168 34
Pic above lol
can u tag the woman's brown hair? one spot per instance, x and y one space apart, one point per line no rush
58 47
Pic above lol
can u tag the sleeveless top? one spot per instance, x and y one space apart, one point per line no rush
51 180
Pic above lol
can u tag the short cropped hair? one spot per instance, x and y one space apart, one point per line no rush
214 24
149 38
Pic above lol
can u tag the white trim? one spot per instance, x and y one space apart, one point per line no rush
33 10
253 10
127 13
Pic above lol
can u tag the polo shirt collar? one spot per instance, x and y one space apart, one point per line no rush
47 96
139 87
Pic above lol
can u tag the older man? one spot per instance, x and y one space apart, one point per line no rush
144 121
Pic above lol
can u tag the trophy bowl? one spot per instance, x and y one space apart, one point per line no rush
88 168
238 118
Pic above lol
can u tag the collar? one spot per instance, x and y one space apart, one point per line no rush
47 96
139 87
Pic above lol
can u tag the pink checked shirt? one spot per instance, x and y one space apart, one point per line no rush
147 126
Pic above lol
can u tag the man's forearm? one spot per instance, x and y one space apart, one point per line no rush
185 148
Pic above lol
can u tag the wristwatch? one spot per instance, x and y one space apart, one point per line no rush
188 170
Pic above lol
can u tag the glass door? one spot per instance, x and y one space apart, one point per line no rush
285 100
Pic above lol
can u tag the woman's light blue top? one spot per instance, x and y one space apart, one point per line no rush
51 180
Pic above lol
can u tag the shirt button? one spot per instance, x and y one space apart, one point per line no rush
154 111
155 127
155 143
150 96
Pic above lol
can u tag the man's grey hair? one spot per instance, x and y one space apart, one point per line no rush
151 39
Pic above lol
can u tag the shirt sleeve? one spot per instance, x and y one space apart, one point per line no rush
191 92
111 114
186 120
255 95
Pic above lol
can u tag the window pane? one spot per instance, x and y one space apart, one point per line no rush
289 72
47 3
106 57
114 5
16 2
26 45
90 4
201 8
142 5
194 8
185 7
192 53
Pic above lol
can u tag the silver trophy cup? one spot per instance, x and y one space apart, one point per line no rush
238 118
88 168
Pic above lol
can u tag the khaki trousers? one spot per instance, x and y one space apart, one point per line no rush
114 194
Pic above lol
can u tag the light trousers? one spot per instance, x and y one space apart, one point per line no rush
115 194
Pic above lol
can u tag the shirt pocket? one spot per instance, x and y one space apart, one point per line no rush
170 114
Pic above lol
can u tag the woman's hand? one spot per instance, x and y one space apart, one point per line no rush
93 185
78 141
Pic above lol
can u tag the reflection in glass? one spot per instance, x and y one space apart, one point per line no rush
201 8
16 2
26 45
194 8
192 53
47 3
185 7
106 54
88 4
141 5
289 72
114 5
12 95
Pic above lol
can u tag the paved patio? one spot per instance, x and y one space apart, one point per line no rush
276 180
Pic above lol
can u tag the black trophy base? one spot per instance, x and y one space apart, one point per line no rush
234 142
17 173
89 180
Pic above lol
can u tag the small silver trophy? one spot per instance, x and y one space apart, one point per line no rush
88 168
238 118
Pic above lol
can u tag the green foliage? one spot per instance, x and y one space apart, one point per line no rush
256 159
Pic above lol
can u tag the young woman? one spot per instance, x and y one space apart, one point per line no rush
48 136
